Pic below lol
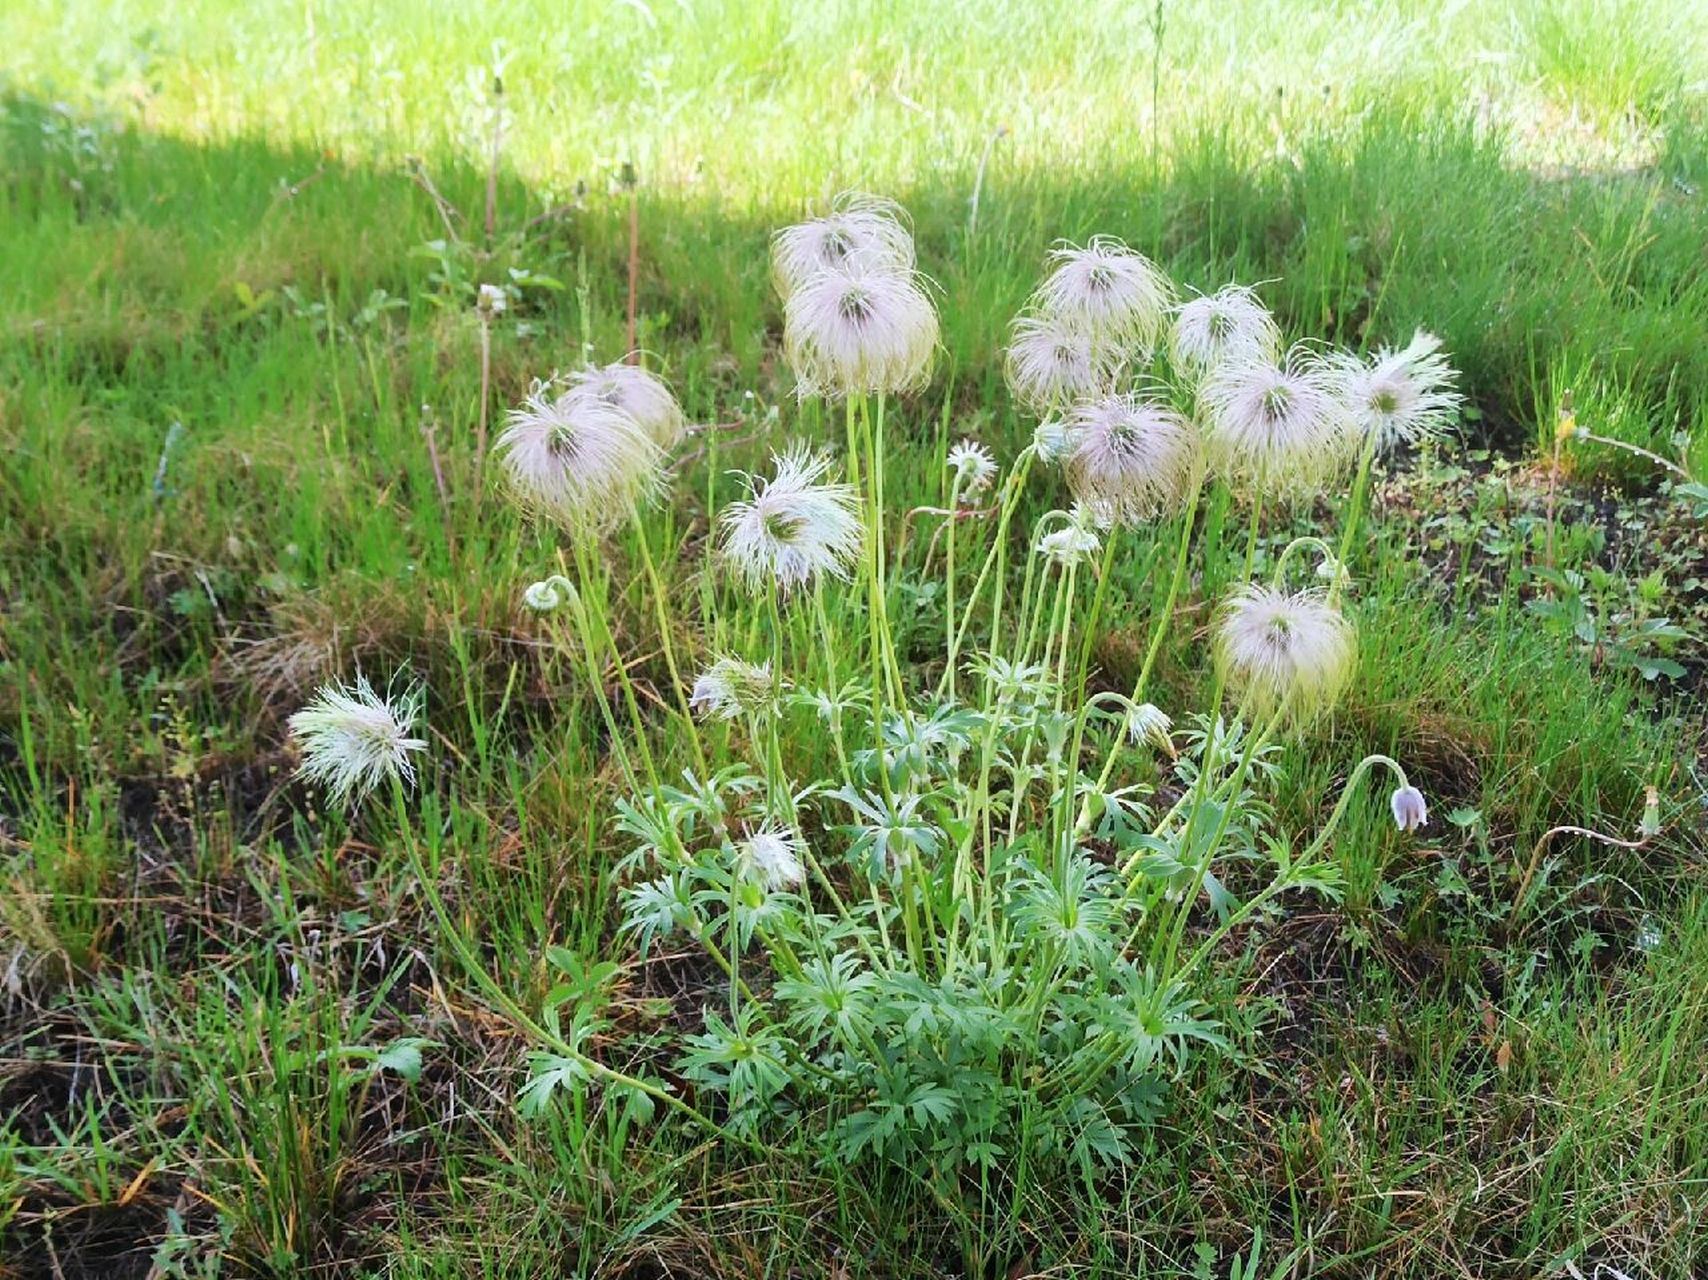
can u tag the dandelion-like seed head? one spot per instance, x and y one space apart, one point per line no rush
1109 290
1129 459
772 856
793 527
352 739
1229 324
1399 397
1410 809
577 459
1280 424
860 327
857 226
1286 651
1052 361
973 466
732 687
1149 723
638 392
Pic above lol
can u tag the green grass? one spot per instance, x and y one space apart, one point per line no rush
209 216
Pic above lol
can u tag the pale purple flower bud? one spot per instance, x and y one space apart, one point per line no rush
1410 811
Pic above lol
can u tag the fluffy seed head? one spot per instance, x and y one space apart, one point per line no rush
1399 396
1410 810
773 856
1129 459
857 225
577 459
731 687
1280 424
972 466
793 527
859 327
352 739
1229 324
1286 651
1052 362
1109 290
639 393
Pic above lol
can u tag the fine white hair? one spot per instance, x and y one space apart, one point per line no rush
793 527
638 392
1108 290
1229 324
1129 458
1290 652
1279 423
858 225
859 328
1398 397
353 739
578 459
1051 362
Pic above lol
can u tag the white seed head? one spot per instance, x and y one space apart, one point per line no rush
773 856
973 466
352 739
1286 651
793 527
639 393
860 327
1129 459
1109 290
576 459
1399 397
1148 723
1281 425
1052 362
1229 324
731 687
857 225
1410 809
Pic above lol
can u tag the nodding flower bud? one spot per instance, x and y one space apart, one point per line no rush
1074 542
1051 441
551 594
1410 811
1334 572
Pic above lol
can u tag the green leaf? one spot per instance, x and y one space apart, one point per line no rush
403 1058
